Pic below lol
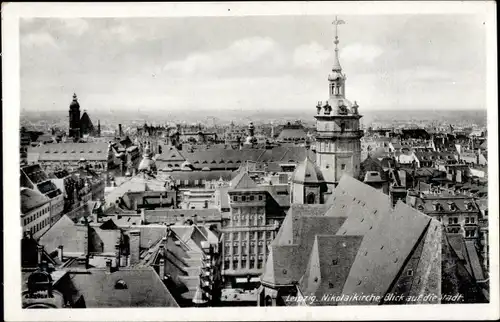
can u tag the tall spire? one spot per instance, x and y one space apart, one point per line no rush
336 62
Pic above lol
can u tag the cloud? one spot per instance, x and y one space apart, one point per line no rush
39 39
310 55
77 26
251 54
360 53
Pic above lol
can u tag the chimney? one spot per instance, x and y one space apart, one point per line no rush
135 243
117 255
195 219
161 271
123 261
39 254
60 253
109 267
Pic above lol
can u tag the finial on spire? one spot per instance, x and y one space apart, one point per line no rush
74 96
336 63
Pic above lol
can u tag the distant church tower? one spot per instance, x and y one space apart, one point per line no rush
338 144
74 119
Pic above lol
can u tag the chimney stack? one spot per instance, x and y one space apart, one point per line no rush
135 244
117 255
39 254
161 271
109 267
60 253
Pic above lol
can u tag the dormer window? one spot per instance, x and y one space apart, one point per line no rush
121 285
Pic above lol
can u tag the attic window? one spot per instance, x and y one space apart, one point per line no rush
359 282
72 151
382 247
47 151
90 151
121 285
64 151
98 151
205 161
56 152
362 219
213 162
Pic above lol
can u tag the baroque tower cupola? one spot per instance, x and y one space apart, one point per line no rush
338 145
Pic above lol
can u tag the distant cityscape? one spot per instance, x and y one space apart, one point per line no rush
254 208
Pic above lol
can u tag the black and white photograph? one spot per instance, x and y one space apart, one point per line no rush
205 158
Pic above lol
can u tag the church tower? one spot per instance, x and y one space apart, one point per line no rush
74 119
338 144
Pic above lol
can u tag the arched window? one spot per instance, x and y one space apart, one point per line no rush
311 198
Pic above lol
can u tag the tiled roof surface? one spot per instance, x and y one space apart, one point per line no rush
174 215
31 199
308 172
382 239
95 151
143 288
66 233
384 250
329 265
242 181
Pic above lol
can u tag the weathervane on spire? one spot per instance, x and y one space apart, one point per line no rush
337 22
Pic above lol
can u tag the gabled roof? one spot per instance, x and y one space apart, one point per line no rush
242 181
329 265
384 250
307 172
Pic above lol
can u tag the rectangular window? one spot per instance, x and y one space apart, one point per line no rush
243 198
455 220
235 264
226 264
466 220
235 198
186 182
260 263
260 197
196 182
252 263
243 263
450 221
472 220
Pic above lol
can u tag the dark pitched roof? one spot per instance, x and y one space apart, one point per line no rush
31 199
143 288
329 265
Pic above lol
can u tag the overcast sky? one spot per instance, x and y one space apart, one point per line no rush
274 62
